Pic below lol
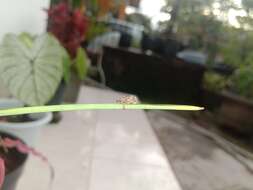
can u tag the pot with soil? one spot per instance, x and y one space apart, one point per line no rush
58 99
14 163
27 127
35 75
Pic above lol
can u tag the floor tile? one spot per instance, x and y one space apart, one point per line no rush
111 175
120 132
141 154
68 147
103 150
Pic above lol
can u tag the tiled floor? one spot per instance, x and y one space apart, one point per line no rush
101 150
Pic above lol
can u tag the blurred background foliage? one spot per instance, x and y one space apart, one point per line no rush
204 25
207 26
221 29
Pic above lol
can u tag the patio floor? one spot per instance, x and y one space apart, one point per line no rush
199 163
101 150
97 151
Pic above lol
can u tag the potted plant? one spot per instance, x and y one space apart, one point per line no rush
22 16
11 164
13 155
32 69
69 26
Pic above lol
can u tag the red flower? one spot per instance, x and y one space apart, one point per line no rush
69 26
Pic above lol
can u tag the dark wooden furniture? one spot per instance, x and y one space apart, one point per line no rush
151 77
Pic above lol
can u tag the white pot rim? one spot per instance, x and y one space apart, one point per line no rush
45 117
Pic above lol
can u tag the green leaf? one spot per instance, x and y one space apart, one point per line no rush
55 2
76 3
66 68
31 74
26 38
94 3
95 29
81 63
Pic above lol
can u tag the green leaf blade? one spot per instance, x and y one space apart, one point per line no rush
81 63
66 68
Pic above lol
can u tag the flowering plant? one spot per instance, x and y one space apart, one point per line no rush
69 26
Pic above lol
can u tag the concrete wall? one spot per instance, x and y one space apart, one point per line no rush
22 15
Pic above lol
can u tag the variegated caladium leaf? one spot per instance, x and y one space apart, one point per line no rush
31 68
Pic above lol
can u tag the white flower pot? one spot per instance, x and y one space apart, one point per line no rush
18 16
27 131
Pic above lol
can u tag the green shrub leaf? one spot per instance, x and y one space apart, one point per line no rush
81 63
67 68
